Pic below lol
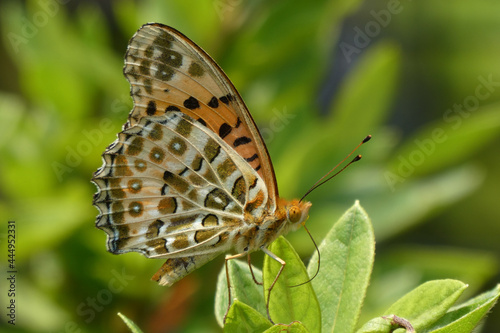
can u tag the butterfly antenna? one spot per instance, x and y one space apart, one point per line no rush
322 180
319 260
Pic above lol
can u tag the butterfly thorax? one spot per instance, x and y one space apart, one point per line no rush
288 216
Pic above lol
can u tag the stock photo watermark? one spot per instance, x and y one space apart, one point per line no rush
103 297
364 36
225 7
91 139
92 305
30 26
75 154
454 116
280 119
11 273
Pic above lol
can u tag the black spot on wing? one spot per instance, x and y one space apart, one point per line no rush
203 122
242 140
191 103
172 108
251 158
226 99
214 103
151 108
224 130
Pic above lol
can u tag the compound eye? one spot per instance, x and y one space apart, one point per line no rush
294 214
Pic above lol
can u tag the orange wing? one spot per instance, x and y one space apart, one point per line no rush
169 72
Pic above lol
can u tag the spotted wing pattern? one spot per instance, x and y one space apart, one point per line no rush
167 71
189 177
171 188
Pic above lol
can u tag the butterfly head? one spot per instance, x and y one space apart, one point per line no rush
297 213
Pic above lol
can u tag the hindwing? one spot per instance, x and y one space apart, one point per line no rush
171 188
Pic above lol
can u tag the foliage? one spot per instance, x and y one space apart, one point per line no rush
428 178
333 301
340 288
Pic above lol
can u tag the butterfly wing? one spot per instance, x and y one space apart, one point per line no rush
171 188
189 166
167 71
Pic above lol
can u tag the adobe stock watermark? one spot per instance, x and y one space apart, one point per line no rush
454 116
32 25
280 119
92 305
363 37
90 140
225 7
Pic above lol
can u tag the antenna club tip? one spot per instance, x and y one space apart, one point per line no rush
357 158
368 137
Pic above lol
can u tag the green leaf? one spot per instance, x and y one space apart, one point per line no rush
418 198
427 303
370 86
130 324
243 318
465 317
452 139
430 263
288 303
295 327
360 106
347 255
243 288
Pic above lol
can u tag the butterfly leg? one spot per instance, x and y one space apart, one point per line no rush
229 257
283 263
251 271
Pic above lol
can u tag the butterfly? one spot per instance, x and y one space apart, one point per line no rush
189 177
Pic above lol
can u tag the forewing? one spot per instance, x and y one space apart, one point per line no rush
167 71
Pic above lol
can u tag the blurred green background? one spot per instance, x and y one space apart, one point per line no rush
422 77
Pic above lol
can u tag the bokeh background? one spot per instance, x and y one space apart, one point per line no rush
422 77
